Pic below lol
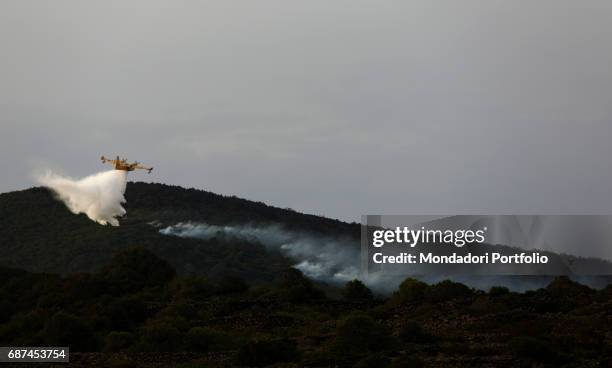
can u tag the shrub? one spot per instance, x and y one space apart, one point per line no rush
412 290
447 290
356 291
259 353
296 288
498 291
564 286
483 305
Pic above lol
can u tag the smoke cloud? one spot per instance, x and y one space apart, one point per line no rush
336 259
99 196
317 256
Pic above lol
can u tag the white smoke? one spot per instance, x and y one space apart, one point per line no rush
98 196
317 256
337 259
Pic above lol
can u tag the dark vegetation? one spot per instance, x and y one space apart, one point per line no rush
136 307
128 296
39 234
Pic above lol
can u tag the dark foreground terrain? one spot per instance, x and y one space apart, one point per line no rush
132 297
135 311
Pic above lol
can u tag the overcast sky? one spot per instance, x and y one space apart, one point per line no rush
338 108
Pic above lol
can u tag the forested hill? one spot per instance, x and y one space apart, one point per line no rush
168 203
38 233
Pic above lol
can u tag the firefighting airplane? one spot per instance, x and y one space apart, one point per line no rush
122 164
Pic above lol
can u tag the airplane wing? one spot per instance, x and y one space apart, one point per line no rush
105 160
138 166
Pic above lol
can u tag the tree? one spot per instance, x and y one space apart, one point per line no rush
296 288
498 291
411 291
447 290
356 291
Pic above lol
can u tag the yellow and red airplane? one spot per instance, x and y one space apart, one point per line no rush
122 164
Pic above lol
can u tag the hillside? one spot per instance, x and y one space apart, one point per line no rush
136 312
40 235
130 296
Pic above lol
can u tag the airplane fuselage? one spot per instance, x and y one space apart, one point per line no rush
123 165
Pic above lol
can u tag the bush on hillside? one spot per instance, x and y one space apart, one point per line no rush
356 291
412 291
